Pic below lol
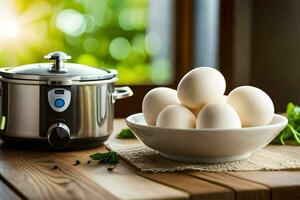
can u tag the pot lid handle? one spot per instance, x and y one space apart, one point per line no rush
58 65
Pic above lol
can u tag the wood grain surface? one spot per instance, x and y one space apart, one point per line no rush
122 182
31 175
282 184
197 188
243 189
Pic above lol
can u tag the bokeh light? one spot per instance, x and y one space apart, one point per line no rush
90 24
71 22
119 48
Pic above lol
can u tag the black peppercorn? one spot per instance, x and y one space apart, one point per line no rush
110 168
77 162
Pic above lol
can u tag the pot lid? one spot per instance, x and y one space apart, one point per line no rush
57 70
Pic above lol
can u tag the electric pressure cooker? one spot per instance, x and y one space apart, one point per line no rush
59 105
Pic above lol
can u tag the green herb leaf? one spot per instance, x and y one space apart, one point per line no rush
291 134
110 157
126 133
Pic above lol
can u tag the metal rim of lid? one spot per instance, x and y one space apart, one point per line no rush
6 74
56 82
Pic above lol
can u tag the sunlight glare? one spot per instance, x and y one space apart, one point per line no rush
9 29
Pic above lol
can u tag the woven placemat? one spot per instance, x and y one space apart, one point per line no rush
149 160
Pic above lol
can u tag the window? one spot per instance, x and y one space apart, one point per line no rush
127 35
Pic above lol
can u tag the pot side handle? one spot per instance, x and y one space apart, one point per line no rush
121 93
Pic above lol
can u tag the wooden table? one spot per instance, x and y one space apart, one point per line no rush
30 175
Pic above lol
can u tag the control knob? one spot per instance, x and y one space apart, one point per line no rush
59 135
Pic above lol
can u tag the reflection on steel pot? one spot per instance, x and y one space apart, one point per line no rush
59 105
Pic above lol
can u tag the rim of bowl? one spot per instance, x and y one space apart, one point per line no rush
283 122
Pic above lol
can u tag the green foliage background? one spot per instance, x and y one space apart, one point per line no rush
114 35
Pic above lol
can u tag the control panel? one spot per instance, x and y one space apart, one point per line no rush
59 99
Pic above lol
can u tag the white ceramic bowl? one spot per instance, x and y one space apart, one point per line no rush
205 145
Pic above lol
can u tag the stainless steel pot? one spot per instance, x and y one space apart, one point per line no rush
61 105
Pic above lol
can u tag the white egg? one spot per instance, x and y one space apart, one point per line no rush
176 116
224 98
197 110
253 105
201 86
155 101
218 115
